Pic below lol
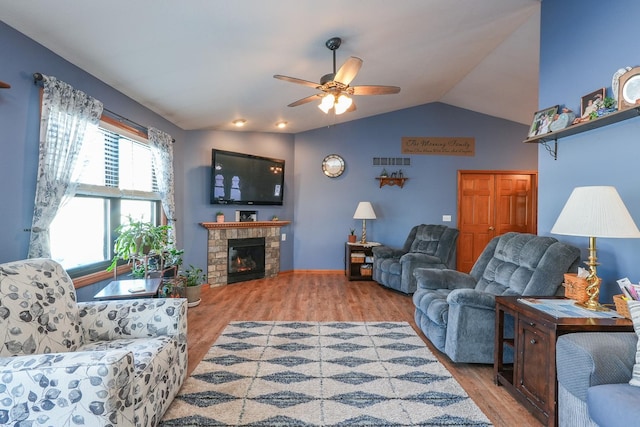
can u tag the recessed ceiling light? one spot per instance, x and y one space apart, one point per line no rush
239 122
281 125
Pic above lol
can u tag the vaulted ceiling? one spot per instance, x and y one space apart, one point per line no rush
203 63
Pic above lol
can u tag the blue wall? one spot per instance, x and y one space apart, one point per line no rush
324 207
321 209
195 169
576 60
19 128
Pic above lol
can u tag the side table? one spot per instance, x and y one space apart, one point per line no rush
358 260
531 378
125 289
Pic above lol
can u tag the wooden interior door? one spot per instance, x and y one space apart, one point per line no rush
491 203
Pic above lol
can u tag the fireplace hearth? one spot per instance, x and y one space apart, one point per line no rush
245 260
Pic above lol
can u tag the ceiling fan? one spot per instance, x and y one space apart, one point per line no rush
334 87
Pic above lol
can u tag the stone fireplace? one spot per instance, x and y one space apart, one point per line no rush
218 256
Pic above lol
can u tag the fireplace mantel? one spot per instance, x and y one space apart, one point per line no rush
244 224
219 234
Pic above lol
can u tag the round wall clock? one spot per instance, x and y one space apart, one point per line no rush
629 89
333 166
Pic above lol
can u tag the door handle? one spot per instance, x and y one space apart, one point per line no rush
491 228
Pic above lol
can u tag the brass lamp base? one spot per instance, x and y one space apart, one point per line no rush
593 286
593 307
363 240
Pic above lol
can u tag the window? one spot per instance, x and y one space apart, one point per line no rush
116 180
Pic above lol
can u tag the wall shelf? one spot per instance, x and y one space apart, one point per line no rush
609 119
384 180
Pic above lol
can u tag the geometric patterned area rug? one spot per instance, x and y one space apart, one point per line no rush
321 374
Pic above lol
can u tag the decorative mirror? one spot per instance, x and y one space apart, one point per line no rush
629 89
333 166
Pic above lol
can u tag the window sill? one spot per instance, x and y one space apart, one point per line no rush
99 276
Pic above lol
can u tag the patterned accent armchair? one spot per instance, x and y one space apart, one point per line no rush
427 246
100 363
456 311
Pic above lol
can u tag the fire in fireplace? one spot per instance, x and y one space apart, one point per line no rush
245 259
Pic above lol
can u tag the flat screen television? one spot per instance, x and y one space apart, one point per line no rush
244 179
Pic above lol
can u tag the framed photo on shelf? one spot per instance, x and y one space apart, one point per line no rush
541 121
246 216
591 102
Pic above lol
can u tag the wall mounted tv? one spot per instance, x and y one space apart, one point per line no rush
244 179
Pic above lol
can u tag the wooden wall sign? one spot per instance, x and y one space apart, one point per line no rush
445 146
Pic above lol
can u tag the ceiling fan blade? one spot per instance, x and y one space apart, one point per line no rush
375 90
305 100
351 108
298 81
348 71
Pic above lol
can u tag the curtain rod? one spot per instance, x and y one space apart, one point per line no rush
37 77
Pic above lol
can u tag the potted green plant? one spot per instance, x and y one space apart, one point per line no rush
352 235
219 216
138 240
194 277
172 260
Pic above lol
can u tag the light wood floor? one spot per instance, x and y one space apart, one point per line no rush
327 297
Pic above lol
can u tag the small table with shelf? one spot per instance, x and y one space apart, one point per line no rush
531 378
358 260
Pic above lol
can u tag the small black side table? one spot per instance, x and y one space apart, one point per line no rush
358 260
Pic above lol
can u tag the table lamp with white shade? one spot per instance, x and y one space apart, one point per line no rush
595 212
364 211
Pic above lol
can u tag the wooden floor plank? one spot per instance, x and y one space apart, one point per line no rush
330 297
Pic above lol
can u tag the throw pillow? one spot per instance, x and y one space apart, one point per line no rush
634 311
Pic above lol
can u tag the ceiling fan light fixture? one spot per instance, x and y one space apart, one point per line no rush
343 104
239 122
327 103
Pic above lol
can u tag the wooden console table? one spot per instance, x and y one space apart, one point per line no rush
531 378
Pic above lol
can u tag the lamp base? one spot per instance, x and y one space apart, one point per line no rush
591 305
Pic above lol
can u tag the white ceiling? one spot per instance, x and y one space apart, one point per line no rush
203 63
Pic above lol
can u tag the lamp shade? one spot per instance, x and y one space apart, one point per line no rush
595 212
364 211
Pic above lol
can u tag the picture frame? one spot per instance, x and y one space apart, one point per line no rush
591 102
541 121
246 216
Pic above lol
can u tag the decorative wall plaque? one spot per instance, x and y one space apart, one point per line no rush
445 146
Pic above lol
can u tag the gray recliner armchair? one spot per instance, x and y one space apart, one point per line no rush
456 311
427 246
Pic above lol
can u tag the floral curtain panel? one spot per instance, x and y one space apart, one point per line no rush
161 145
66 113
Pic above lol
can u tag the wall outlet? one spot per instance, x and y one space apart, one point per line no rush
446 218
284 237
